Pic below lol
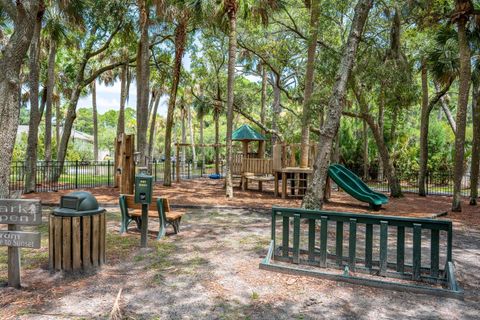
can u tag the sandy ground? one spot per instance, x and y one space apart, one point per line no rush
208 193
210 269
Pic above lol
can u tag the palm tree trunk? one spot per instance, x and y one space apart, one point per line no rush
316 190
183 156
152 125
57 125
192 138
180 42
309 78
123 99
95 121
34 76
50 90
424 124
143 77
202 142
475 167
24 17
232 52
463 89
216 116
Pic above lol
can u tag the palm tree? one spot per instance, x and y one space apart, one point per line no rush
463 9
34 77
230 8
440 60
23 18
143 76
182 14
58 16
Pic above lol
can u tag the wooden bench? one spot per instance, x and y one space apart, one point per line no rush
160 209
370 240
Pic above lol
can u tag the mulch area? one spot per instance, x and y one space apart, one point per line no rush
209 193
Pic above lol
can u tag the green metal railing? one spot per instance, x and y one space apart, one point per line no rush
377 245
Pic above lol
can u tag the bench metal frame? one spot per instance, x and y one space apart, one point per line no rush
162 218
301 261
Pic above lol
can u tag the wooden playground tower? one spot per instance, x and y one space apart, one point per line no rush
124 163
282 166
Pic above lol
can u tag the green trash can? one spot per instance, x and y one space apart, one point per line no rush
77 233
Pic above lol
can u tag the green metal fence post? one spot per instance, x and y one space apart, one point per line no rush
383 246
339 243
368 245
352 244
400 249
323 241
417 250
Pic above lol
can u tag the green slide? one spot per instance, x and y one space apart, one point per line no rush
355 187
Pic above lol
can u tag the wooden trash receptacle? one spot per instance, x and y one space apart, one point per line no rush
77 233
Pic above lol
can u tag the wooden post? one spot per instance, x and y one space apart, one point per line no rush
245 148
13 262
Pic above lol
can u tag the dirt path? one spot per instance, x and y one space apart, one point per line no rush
210 271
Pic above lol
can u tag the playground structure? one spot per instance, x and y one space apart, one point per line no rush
283 166
124 163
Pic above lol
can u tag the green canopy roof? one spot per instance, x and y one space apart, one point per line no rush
245 133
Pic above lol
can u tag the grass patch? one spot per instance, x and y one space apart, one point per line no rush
255 296
119 247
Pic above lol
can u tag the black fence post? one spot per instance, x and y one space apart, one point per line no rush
76 174
108 173
189 164
155 169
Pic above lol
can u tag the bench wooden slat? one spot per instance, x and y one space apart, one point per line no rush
132 211
152 208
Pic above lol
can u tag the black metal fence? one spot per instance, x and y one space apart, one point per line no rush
436 183
91 174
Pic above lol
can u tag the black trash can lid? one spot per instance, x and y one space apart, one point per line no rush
78 203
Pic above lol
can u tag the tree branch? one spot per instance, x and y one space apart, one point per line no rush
439 95
98 72
258 123
106 44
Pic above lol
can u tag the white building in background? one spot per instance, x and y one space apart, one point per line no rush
81 140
